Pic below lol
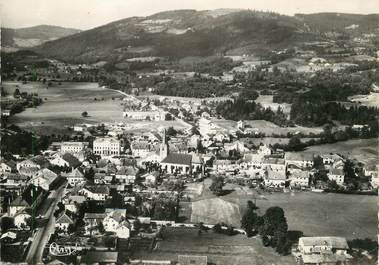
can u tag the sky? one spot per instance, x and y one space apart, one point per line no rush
86 14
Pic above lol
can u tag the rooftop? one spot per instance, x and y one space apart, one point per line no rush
298 156
336 171
97 257
179 159
334 242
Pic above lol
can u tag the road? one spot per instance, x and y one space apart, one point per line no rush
43 233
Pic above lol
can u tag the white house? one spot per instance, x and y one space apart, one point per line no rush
322 250
299 178
302 160
44 178
337 175
97 193
106 146
330 159
74 177
150 179
63 221
21 219
73 147
8 166
237 146
126 174
274 164
275 178
177 163
116 222
141 148
34 162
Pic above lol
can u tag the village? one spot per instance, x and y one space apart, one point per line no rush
191 137
114 194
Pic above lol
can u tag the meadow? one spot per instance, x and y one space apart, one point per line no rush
219 249
63 105
371 100
315 214
364 150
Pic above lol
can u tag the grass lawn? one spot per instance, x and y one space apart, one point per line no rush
63 105
220 249
371 100
267 102
364 150
315 214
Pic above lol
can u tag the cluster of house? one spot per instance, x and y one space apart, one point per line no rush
135 166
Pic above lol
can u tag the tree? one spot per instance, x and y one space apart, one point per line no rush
117 201
217 228
6 223
250 219
89 174
171 131
168 117
274 225
295 144
217 185
84 114
71 229
100 227
137 225
318 162
16 93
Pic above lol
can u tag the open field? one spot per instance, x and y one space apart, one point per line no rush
267 102
371 100
220 249
350 216
315 214
215 210
63 105
364 150
268 128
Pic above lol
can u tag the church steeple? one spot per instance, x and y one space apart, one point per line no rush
163 149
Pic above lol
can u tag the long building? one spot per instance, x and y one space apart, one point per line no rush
106 146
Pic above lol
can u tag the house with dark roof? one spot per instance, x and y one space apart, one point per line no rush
337 175
8 166
177 163
97 192
15 179
303 160
74 177
63 221
322 250
44 178
35 162
91 221
127 174
65 160
31 197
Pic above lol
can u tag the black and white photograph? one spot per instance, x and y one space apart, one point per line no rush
189 132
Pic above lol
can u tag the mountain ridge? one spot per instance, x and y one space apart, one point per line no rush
181 33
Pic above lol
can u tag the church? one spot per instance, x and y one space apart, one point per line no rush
176 163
